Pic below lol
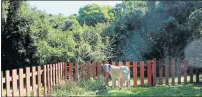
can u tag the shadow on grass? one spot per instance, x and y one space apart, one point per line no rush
179 90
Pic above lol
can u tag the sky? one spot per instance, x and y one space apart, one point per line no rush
66 7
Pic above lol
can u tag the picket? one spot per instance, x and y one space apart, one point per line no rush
135 73
142 72
28 81
21 82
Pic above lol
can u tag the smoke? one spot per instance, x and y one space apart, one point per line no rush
194 50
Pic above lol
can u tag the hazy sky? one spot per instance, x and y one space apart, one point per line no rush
66 7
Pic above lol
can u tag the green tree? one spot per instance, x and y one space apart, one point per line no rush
92 14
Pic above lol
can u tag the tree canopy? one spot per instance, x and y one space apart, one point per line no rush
131 30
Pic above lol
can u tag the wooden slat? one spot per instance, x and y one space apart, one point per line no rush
8 92
50 67
45 79
39 80
2 84
21 82
114 64
167 71
149 73
76 70
142 72
154 71
197 70
65 70
94 69
185 71
191 70
88 70
61 70
173 71
179 70
106 76
53 75
121 80
14 82
34 81
70 71
99 71
160 73
48 78
28 81
82 72
56 73
135 73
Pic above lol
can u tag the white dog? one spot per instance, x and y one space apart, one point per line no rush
117 72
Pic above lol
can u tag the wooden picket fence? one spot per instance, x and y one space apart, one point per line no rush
24 82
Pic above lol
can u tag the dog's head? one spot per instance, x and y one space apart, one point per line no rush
107 67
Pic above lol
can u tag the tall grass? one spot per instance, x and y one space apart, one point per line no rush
82 87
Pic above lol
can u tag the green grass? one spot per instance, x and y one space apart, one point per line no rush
180 90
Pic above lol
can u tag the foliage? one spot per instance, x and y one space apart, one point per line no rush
92 14
131 30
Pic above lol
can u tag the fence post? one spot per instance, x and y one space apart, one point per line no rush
8 92
94 69
160 72
173 71
121 80
48 78
51 76
135 73
21 82
185 71
54 75
179 70
154 71
45 84
88 70
39 80
65 70
34 80
99 71
28 81
14 81
149 72
82 71
142 72
70 71
76 70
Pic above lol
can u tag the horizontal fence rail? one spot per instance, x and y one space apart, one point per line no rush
40 80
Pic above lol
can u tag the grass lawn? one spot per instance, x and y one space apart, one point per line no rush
179 90
159 90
